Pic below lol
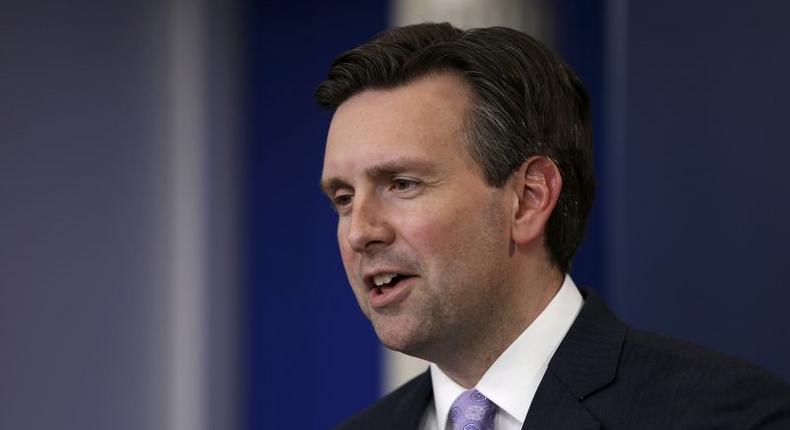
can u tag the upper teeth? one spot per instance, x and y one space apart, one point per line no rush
385 278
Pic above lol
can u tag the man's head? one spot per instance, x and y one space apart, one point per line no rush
459 163
525 101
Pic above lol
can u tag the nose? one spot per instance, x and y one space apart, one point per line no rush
368 227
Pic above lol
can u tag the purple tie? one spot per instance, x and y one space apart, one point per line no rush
472 411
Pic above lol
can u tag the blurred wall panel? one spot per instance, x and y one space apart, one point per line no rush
203 136
313 357
88 247
532 16
700 205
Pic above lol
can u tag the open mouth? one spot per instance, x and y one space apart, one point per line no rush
388 289
385 281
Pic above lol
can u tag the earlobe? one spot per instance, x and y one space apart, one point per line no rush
537 185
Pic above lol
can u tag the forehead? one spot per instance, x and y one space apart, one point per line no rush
424 119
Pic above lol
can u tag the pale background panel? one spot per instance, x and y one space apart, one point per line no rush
117 259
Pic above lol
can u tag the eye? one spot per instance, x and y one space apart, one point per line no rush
403 184
342 200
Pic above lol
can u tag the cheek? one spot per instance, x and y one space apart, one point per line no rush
347 255
458 234
434 234
350 264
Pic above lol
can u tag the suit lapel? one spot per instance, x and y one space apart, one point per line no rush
410 407
554 407
585 362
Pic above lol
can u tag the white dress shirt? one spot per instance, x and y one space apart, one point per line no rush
513 379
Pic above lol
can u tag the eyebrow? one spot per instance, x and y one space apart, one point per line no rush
400 165
384 169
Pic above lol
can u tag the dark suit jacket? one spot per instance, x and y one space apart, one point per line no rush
605 375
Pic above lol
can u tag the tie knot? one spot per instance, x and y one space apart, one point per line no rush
472 411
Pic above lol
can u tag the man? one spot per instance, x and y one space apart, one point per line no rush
459 163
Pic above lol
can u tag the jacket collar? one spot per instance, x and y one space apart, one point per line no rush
409 409
585 362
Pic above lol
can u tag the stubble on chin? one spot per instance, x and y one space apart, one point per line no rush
407 332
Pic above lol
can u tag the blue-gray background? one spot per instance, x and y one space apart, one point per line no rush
688 237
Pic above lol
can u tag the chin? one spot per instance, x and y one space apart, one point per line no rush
404 338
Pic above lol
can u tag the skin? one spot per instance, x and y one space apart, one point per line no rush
411 200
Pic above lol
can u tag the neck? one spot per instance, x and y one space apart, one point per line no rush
518 307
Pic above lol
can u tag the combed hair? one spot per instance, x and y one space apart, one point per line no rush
525 101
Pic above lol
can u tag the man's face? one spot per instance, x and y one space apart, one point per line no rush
413 204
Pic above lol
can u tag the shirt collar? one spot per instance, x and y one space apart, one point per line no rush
513 379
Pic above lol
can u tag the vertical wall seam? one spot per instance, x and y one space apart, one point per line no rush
615 110
187 218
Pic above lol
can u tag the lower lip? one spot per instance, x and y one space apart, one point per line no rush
389 296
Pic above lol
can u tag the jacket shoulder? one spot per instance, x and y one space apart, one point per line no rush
630 379
653 354
708 388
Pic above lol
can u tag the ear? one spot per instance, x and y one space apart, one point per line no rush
537 185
